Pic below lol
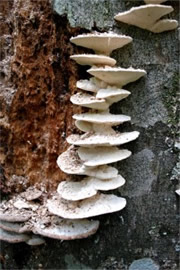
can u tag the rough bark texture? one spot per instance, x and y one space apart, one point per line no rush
36 118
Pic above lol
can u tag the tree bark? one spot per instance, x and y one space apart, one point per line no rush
37 80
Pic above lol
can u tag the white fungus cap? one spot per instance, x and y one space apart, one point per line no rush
14 216
69 162
89 101
102 155
97 205
88 187
178 192
102 118
91 127
101 43
35 241
116 75
68 229
112 94
13 237
93 60
91 85
147 17
100 139
16 227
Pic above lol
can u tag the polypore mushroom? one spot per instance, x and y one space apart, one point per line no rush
91 85
101 139
89 101
97 205
88 187
101 43
102 118
13 215
68 229
35 241
148 17
112 94
102 155
16 227
69 162
93 60
13 237
117 76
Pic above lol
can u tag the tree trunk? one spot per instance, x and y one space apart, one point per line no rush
37 80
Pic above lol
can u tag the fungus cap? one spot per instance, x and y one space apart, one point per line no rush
101 43
145 16
84 126
102 118
16 227
35 241
100 139
69 229
88 187
178 192
116 75
97 205
91 85
89 101
164 25
15 215
93 60
102 155
13 237
112 94
69 162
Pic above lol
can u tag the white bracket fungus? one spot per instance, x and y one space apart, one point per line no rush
88 187
91 152
68 229
101 43
93 60
94 206
149 17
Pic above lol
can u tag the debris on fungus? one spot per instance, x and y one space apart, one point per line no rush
149 17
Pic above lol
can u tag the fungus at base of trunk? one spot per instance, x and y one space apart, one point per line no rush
68 229
97 205
13 237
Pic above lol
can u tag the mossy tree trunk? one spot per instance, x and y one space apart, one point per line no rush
37 79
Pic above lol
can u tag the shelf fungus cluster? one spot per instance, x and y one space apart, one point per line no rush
91 152
66 213
149 16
